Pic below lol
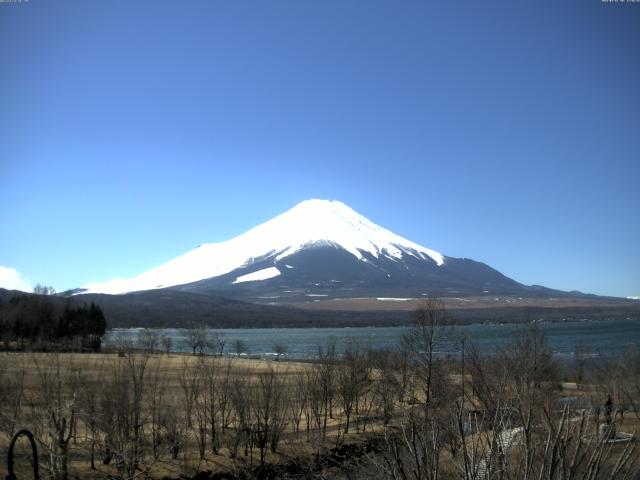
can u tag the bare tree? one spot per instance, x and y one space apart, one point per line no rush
414 450
12 389
353 375
223 388
218 343
148 340
167 343
386 385
531 367
298 406
156 405
327 361
268 412
197 339
421 342
629 366
59 390
240 347
189 380
90 412
279 349
210 401
580 355
124 415
316 400
240 395
202 405
43 290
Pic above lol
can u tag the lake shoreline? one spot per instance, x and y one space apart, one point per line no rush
407 325
302 343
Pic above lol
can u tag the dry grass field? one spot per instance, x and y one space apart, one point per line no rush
142 414
174 383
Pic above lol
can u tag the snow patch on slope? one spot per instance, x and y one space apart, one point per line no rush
263 274
310 223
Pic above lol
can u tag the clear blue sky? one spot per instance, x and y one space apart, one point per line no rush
507 132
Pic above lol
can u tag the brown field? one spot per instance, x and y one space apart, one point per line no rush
162 416
176 370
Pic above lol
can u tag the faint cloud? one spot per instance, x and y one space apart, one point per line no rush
11 279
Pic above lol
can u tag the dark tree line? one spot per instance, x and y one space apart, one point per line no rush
43 322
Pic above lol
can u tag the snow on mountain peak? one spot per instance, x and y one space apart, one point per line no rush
334 222
311 222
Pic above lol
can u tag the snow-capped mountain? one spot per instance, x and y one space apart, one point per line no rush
308 224
318 248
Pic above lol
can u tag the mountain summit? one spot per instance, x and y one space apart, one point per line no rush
309 224
319 248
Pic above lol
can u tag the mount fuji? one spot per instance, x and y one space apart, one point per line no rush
319 250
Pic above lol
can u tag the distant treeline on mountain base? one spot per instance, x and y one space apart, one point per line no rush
168 308
46 322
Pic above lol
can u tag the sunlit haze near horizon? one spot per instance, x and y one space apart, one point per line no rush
505 132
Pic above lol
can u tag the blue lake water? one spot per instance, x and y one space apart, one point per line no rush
600 336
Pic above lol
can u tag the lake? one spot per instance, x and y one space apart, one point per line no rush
600 336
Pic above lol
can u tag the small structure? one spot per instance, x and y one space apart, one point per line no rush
608 431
